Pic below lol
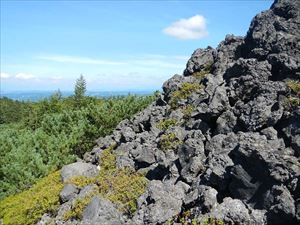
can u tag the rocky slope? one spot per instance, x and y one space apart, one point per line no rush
222 141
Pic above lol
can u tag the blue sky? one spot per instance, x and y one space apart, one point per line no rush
116 45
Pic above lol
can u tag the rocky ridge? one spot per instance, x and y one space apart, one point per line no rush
221 142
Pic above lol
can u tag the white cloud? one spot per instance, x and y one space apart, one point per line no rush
190 28
80 60
25 76
5 75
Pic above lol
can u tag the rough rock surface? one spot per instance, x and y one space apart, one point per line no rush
235 147
78 169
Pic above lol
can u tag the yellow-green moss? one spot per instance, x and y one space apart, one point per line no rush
28 206
184 92
169 142
292 100
166 124
187 111
294 87
201 74
120 186
79 206
186 219
212 221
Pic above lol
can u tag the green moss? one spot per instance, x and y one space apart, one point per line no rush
81 181
120 186
166 124
201 74
294 87
184 92
292 100
28 206
187 111
212 221
79 206
169 142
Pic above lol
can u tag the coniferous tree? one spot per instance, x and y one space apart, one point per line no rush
80 87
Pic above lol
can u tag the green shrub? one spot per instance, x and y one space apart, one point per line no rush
120 186
212 221
166 124
28 207
201 74
292 100
55 134
184 92
294 87
169 142
187 111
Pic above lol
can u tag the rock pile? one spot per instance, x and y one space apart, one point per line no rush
221 144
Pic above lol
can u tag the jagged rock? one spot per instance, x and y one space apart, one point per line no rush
201 59
160 202
78 169
283 209
202 199
226 123
234 211
101 211
68 192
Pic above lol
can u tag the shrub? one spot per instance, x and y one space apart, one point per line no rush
292 101
294 87
186 218
28 207
169 142
184 92
201 74
166 124
187 111
212 221
121 186
79 206
55 134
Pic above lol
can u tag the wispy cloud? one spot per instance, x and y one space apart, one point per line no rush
80 60
190 28
5 75
25 76
147 60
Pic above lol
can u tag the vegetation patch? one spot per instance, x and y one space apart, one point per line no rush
294 87
212 221
56 132
202 74
120 186
184 92
79 206
186 218
187 111
166 124
292 101
169 142
27 208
